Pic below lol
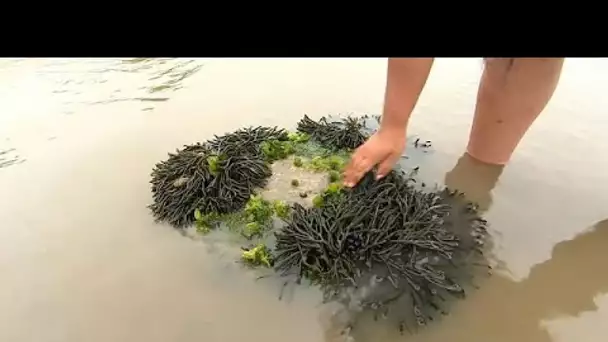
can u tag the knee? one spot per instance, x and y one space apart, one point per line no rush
499 63
508 69
508 64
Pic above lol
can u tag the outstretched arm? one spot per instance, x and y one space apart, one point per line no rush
405 80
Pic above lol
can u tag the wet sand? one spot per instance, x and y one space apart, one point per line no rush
82 259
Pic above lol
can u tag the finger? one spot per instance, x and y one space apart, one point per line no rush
386 165
352 162
362 166
357 160
349 172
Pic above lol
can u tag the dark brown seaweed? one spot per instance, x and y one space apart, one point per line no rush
336 135
218 176
386 235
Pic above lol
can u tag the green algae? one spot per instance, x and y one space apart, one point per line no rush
257 256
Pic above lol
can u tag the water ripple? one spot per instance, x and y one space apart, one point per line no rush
109 81
9 157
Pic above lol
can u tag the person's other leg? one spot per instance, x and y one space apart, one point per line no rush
511 95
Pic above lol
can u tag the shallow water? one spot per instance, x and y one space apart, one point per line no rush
82 260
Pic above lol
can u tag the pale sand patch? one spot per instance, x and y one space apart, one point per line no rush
279 185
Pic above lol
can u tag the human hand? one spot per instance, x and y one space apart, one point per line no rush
383 149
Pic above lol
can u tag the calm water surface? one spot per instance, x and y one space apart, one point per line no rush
82 260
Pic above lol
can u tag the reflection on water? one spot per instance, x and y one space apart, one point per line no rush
82 259
505 310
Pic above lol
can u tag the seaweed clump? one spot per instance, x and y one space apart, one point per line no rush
385 245
345 134
215 177
259 213
384 235
257 256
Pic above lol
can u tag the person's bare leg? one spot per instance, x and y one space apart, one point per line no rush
476 179
512 93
